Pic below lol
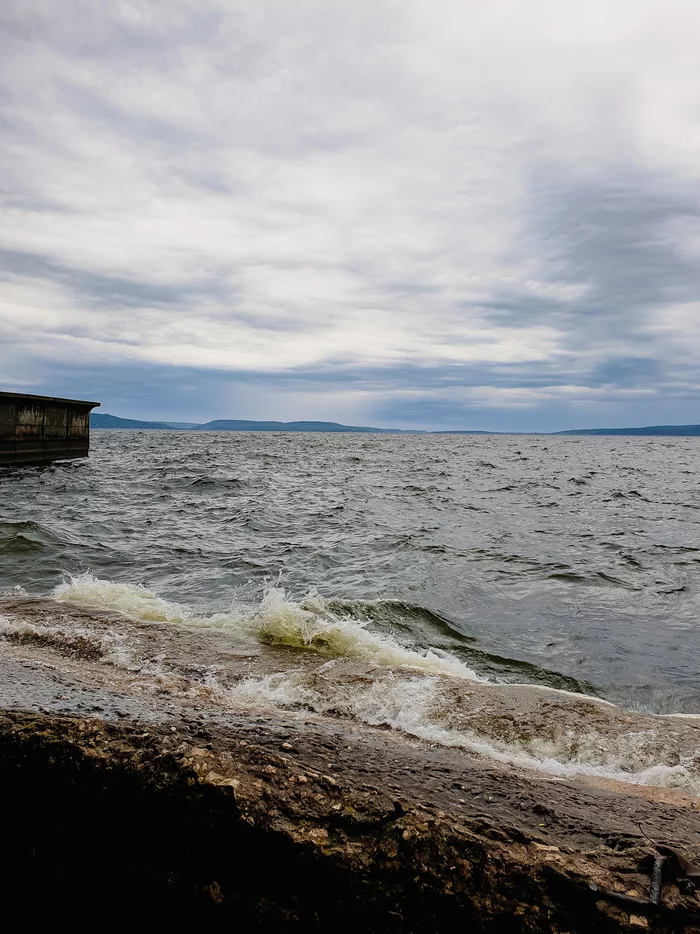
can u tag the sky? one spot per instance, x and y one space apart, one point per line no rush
413 213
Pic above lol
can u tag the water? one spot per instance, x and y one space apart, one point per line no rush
567 562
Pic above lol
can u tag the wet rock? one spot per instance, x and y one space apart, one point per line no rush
104 816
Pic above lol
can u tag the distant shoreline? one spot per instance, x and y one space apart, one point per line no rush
99 420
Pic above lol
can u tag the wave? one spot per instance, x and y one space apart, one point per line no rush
18 537
368 674
310 625
430 627
132 600
385 632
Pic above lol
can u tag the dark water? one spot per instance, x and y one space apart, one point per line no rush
573 562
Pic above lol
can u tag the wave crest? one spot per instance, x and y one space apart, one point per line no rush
311 625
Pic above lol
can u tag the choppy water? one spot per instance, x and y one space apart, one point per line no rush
570 562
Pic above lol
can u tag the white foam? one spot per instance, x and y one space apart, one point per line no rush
279 621
15 591
10 627
132 600
412 706
276 621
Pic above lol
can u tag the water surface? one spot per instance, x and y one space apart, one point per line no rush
566 561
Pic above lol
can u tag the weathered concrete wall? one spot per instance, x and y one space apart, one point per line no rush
42 428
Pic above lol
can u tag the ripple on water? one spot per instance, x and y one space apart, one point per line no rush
202 518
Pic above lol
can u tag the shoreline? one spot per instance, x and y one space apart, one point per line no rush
131 792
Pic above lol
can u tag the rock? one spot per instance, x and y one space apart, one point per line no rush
138 823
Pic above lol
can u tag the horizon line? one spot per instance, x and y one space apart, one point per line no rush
177 424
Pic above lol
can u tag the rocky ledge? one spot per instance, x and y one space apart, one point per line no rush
273 828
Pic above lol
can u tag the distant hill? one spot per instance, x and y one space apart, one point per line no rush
229 424
112 421
682 431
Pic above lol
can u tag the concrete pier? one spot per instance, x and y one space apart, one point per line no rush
43 428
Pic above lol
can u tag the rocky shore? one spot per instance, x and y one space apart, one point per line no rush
127 796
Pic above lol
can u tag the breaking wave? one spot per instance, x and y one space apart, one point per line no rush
367 671
277 620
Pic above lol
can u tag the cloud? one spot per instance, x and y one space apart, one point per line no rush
449 215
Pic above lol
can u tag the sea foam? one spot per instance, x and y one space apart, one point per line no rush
276 620
415 706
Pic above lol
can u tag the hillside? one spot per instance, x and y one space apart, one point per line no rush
682 431
246 425
112 421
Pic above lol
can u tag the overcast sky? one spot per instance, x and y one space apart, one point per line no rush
416 213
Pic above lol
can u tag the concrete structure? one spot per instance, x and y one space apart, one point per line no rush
41 428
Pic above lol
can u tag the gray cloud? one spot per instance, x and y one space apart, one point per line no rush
441 214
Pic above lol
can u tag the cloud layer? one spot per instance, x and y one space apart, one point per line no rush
432 213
